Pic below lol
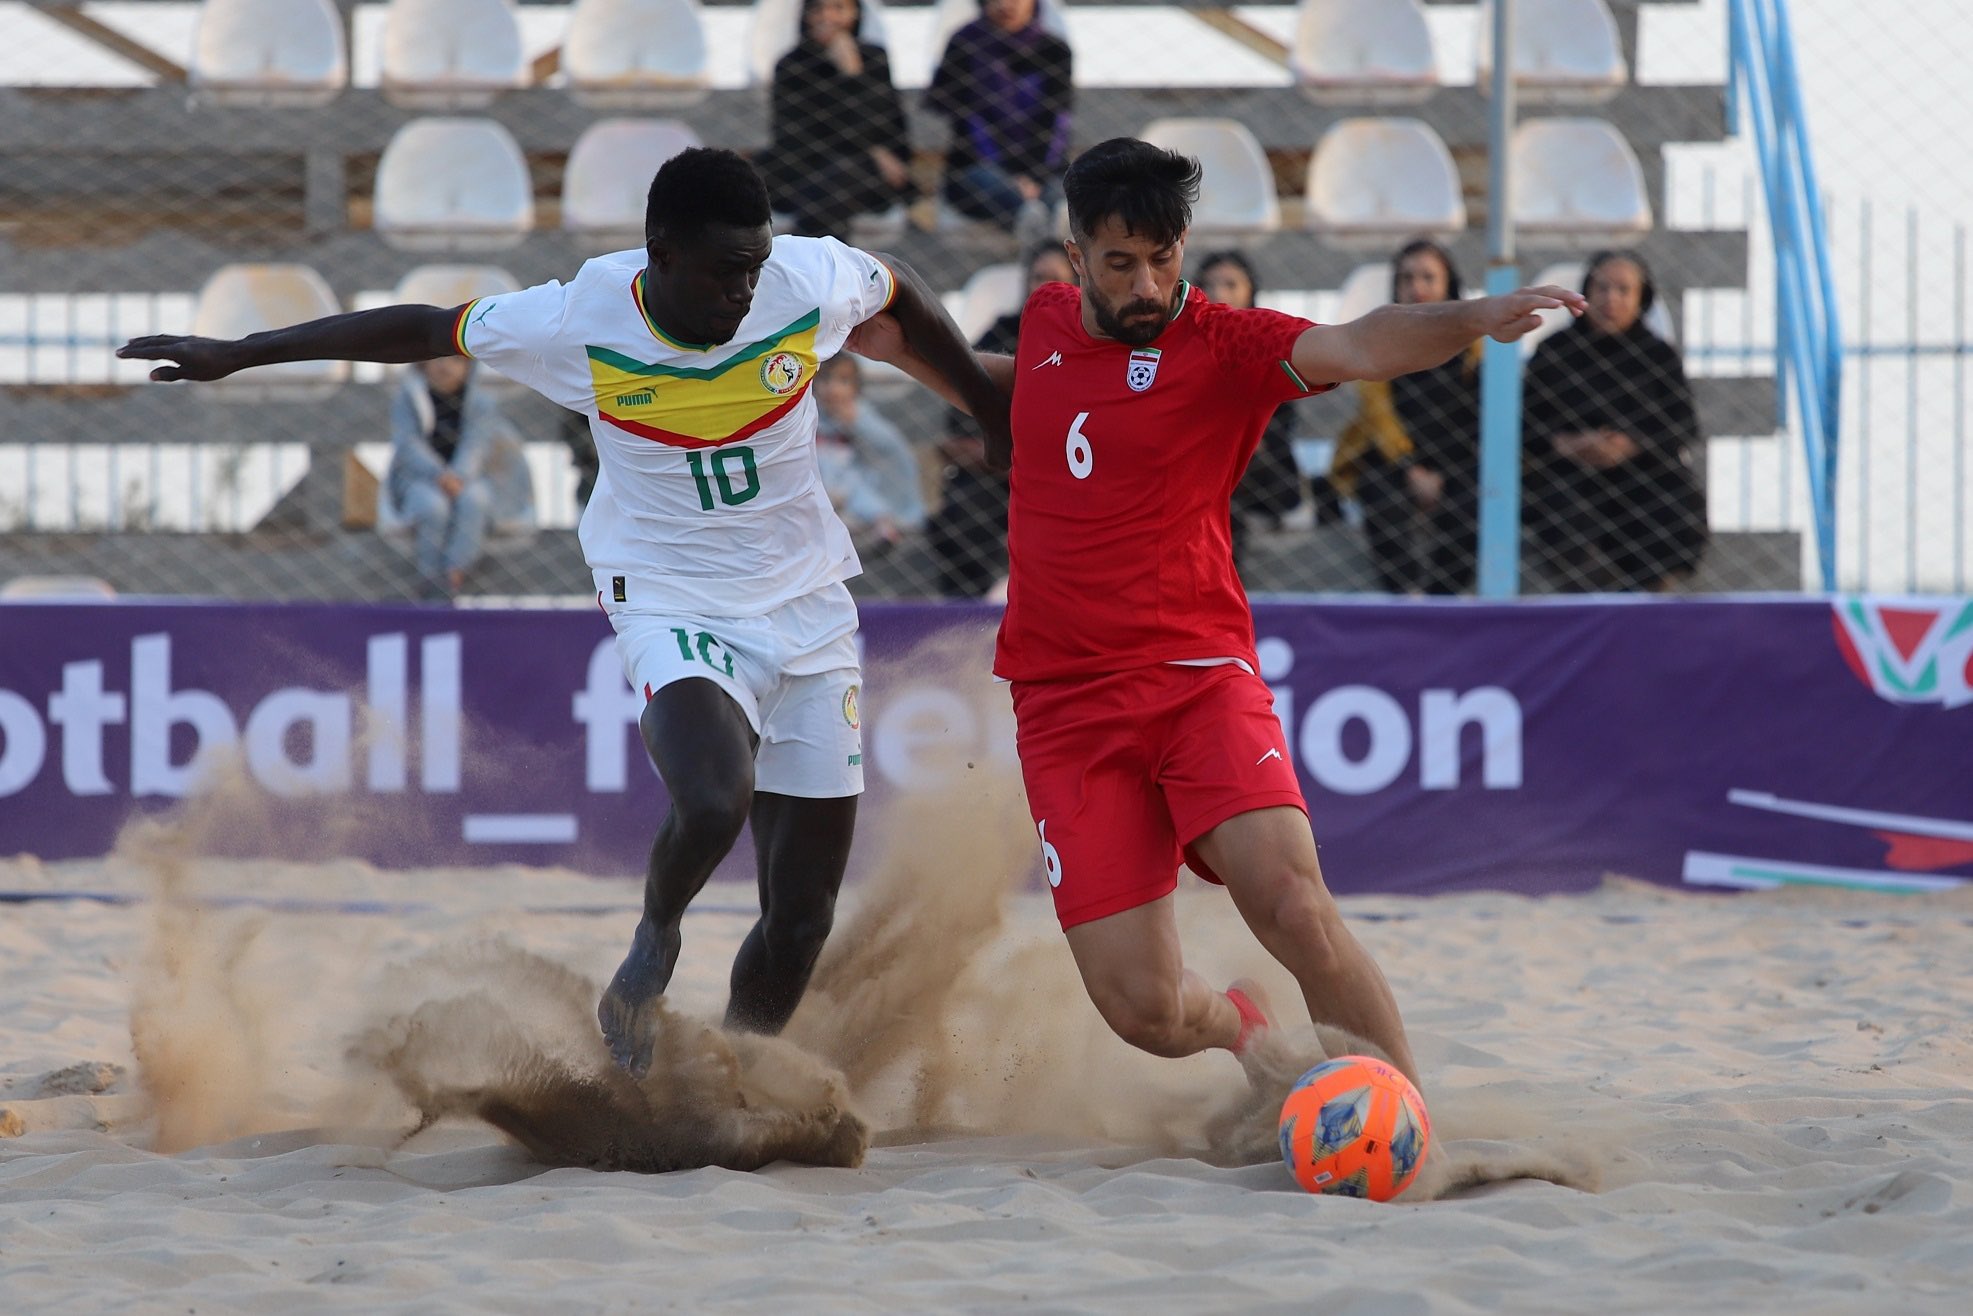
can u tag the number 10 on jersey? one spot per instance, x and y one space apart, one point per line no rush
722 460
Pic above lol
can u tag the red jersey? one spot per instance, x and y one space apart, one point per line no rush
1119 539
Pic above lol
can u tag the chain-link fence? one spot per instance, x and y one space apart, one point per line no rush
237 164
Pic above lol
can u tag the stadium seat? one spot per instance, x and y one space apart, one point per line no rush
286 53
608 178
246 299
635 54
776 25
1364 52
1375 182
453 184
991 292
1566 52
1569 274
1236 193
1577 184
455 285
450 54
451 285
1365 289
951 15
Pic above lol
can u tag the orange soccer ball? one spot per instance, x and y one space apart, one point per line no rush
1355 1127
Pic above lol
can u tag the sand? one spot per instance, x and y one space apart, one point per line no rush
1763 1099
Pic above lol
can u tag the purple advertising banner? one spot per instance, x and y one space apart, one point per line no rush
1448 745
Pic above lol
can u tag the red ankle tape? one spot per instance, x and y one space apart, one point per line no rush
1252 1021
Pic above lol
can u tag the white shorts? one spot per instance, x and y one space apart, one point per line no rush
793 671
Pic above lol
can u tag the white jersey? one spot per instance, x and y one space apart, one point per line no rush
708 500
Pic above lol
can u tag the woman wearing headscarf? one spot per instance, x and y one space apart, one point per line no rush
837 142
1411 456
1611 434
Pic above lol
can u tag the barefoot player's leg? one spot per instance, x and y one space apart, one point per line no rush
703 746
1136 977
802 848
1266 858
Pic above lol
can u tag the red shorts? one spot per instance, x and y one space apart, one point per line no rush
1124 772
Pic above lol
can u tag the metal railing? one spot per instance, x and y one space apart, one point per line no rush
1808 331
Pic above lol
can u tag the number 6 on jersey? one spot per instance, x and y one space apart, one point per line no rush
1081 457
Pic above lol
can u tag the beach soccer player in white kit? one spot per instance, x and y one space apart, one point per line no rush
713 544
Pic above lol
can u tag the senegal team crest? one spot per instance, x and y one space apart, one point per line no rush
781 373
851 714
1142 369
1909 651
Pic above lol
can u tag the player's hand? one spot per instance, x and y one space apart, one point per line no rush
1514 315
880 338
197 358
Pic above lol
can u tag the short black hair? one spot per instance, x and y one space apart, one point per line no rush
1146 188
702 186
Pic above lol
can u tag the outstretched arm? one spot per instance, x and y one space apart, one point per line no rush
881 339
929 334
390 334
1397 340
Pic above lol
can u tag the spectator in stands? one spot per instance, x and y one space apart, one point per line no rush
1611 432
1412 454
867 466
837 141
1271 490
444 435
968 533
1006 84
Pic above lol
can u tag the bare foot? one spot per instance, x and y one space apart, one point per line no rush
640 979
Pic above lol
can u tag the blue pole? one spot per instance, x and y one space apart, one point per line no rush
1500 369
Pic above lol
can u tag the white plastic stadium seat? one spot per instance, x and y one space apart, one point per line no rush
448 184
608 177
991 292
1577 184
776 26
1367 288
451 285
245 299
285 53
455 285
1375 182
635 54
450 54
1236 192
952 15
1569 274
1566 52
1364 52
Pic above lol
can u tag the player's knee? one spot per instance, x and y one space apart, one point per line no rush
798 934
712 811
1148 1014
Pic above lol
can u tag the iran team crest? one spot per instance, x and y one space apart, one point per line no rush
1142 369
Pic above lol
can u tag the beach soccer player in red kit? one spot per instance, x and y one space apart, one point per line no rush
1145 734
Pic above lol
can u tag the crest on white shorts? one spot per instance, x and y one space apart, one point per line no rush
1142 369
851 713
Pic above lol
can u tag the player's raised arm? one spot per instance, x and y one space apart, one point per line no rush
389 334
1397 340
929 334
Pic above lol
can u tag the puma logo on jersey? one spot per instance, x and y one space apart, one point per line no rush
1052 359
1271 754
